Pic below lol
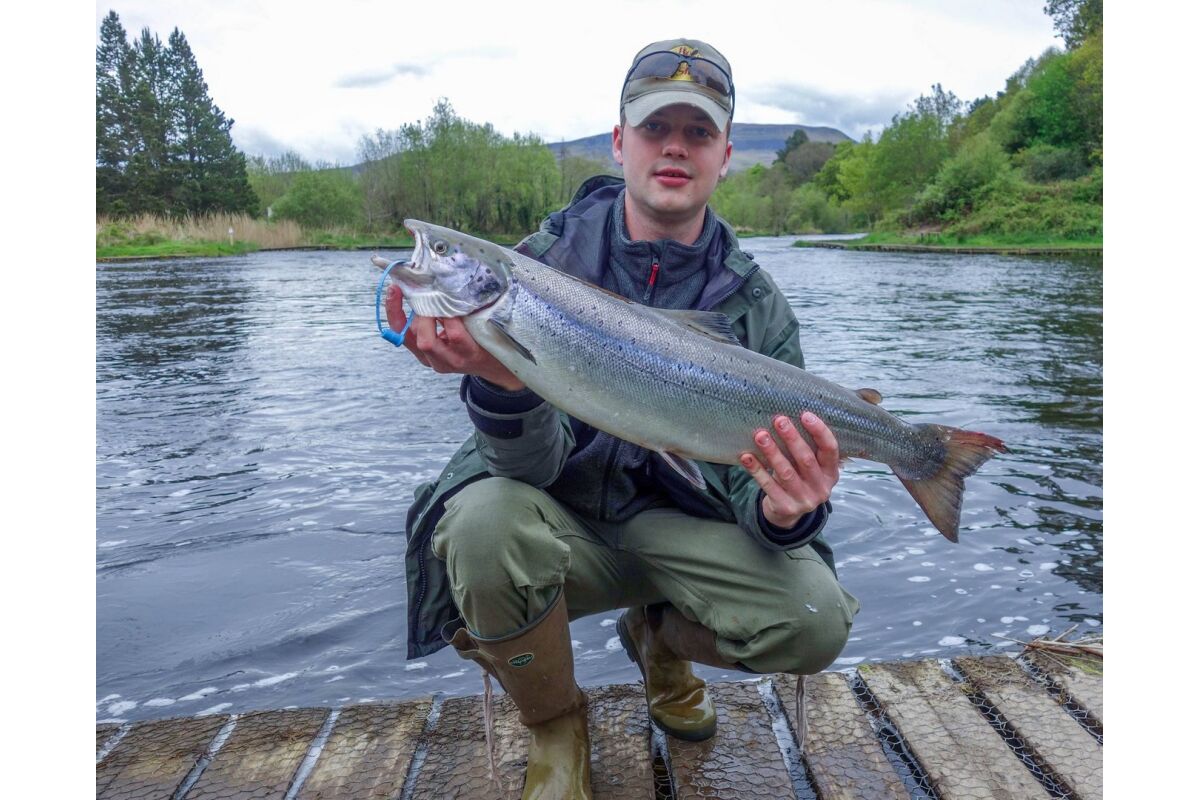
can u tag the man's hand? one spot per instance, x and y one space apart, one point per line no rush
797 481
451 349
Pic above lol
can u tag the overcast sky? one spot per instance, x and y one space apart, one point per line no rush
314 78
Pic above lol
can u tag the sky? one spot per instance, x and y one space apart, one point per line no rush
316 78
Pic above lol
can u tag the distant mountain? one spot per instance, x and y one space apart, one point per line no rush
752 143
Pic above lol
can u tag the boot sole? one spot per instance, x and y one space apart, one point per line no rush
700 735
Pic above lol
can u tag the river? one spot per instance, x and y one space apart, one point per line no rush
257 445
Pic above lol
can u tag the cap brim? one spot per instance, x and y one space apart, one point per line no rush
638 109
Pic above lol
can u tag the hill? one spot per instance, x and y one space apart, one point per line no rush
753 143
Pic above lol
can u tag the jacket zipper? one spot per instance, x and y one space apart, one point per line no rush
646 295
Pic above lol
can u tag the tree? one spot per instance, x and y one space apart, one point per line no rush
1075 20
797 138
316 199
113 116
211 172
162 146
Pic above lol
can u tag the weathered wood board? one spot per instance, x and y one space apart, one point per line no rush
1085 687
1048 731
429 749
844 756
959 751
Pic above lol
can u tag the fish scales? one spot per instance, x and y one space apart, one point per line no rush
671 381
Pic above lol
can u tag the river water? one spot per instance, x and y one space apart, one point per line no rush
257 447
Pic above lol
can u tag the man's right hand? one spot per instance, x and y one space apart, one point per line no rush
451 349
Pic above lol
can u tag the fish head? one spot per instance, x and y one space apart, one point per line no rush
452 274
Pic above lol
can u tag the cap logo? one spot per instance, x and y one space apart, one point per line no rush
683 72
521 660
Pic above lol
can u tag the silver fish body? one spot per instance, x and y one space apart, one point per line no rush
676 382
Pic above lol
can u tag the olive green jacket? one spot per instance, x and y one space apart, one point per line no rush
761 319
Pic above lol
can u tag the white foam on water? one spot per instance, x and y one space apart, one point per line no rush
980 619
1047 565
274 679
117 709
1024 573
180 493
200 693
811 610
112 543
457 674
576 644
1092 622
613 644
984 568
849 661
918 579
1037 630
106 698
159 701
607 623
951 641
917 623
415 665
995 586
309 522
336 678
1008 620
854 639
217 709
915 551
928 564
961 591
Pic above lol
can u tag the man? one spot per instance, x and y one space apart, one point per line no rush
539 518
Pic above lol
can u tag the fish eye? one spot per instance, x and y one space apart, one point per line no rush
440 247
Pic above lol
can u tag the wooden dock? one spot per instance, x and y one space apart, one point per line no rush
971 728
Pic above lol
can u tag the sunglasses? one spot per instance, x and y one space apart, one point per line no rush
666 64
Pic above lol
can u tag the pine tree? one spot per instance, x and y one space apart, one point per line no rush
212 172
114 137
162 145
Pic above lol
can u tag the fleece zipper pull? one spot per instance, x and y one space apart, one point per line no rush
646 295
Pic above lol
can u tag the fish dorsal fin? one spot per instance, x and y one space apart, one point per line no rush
872 396
712 324
685 467
520 348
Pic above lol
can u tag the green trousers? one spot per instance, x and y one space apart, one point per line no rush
509 546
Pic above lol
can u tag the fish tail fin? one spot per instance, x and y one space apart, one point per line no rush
940 495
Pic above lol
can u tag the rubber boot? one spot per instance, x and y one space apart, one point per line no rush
537 669
661 641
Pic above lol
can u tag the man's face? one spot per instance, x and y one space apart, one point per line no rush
672 162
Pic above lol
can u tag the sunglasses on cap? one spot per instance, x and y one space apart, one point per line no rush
667 64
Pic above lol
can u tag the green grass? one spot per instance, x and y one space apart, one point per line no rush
1028 239
175 249
353 241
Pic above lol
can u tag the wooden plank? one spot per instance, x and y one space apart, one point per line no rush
154 757
742 760
1048 731
1082 680
368 752
959 751
456 761
619 725
103 732
261 755
844 756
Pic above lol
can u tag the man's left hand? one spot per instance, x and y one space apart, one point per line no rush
796 481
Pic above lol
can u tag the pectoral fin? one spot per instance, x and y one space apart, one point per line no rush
520 348
685 467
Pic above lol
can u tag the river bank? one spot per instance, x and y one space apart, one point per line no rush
940 243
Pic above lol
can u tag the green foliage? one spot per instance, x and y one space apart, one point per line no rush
270 178
315 199
162 146
462 174
1075 20
1043 163
797 138
979 169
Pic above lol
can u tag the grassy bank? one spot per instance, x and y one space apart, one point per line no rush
989 241
150 236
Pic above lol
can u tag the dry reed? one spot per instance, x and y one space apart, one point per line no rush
204 228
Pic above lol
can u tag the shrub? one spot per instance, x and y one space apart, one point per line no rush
1043 163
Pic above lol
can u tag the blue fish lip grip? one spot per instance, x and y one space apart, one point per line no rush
387 333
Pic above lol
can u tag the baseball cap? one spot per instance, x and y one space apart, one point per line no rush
678 71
